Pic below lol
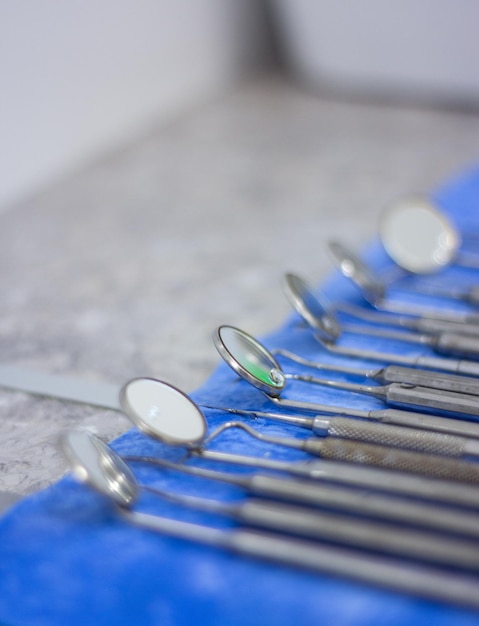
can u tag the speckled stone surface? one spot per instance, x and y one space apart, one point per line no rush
125 268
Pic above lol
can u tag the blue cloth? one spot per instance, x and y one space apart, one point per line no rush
66 558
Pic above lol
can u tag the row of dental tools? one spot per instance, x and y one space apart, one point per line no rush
382 488
452 544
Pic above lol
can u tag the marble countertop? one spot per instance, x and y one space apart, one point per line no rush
126 267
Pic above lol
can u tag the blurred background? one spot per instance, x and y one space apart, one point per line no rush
79 79
164 163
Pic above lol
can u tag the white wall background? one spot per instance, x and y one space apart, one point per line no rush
79 77
415 49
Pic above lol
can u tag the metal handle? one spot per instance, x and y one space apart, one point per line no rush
417 579
469 368
386 507
471 318
473 295
459 345
425 378
394 458
387 333
402 437
447 401
424 421
433 326
353 532
408 308
447 491
392 416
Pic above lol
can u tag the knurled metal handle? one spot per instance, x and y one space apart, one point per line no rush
399 436
394 458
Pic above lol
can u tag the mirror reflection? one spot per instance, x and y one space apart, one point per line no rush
417 237
162 411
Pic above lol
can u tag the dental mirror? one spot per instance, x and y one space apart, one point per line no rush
420 238
302 298
250 360
351 266
94 463
417 236
85 450
317 315
374 290
163 411
314 311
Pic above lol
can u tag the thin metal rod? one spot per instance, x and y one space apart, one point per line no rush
295 420
378 391
394 374
424 287
283 441
420 339
394 306
316 407
469 368
411 322
329 367
448 343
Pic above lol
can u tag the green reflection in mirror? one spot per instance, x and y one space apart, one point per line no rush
252 357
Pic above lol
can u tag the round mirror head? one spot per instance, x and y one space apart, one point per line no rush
417 236
250 360
352 267
311 309
163 412
94 463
